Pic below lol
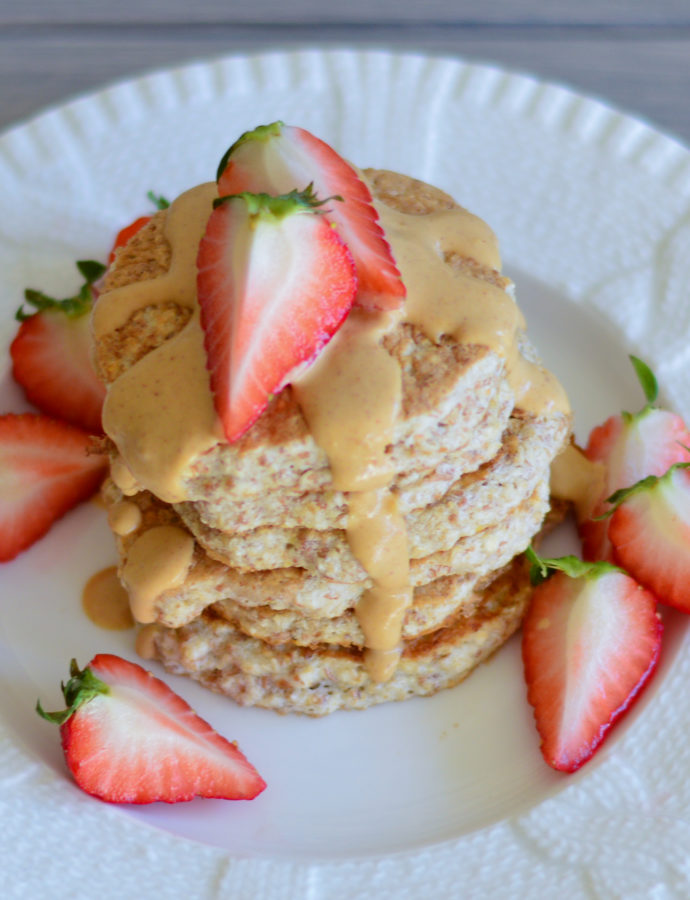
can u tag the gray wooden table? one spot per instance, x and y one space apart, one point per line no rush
634 54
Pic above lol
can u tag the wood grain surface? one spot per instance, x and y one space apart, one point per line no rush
633 54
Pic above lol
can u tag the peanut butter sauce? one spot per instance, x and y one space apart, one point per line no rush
106 602
124 517
157 561
577 479
145 644
123 478
160 413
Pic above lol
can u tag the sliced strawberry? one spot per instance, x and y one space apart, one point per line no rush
631 447
44 472
274 283
127 233
128 738
51 354
279 158
650 533
591 640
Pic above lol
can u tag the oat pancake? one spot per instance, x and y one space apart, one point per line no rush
454 396
265 610
477 501
448 491
320 680
311 593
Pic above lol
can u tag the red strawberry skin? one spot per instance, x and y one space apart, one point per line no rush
646 444
51 361
650 533
280 158
44 472
589 646
141 743
271 296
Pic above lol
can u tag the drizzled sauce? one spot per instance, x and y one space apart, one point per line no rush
157 561
124 517
106 602
145 644
578 480
160 412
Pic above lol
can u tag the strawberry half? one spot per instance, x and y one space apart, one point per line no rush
127 738
44 471
590 642
631 447
279 158
274 283
650 533
51 354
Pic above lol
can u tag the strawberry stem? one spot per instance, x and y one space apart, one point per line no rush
649 385
275 208
571 566
647 380
82 687
644 484
158 200
74 306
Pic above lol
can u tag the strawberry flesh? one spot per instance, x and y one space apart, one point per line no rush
51 361
128 738
279 158
590 644
274 283
650 533
45 470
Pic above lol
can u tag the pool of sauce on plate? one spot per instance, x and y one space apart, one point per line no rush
106 602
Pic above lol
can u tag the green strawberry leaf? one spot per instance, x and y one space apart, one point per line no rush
275 208
82 687
649 385
647 380
73 307
644 484
571 566
158 200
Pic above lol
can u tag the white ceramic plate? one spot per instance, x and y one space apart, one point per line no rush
591 209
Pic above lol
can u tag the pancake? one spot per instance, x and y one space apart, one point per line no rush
432 605
329 554
263 605
477 501
309 592
448 388
320 680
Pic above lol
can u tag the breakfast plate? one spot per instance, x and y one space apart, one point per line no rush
591 209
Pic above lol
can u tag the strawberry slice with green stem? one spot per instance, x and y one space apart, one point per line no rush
128 738
279 158
51 353
631 446
650 531
45 470
274 283
591 641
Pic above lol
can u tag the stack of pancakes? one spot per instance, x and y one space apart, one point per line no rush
266 609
